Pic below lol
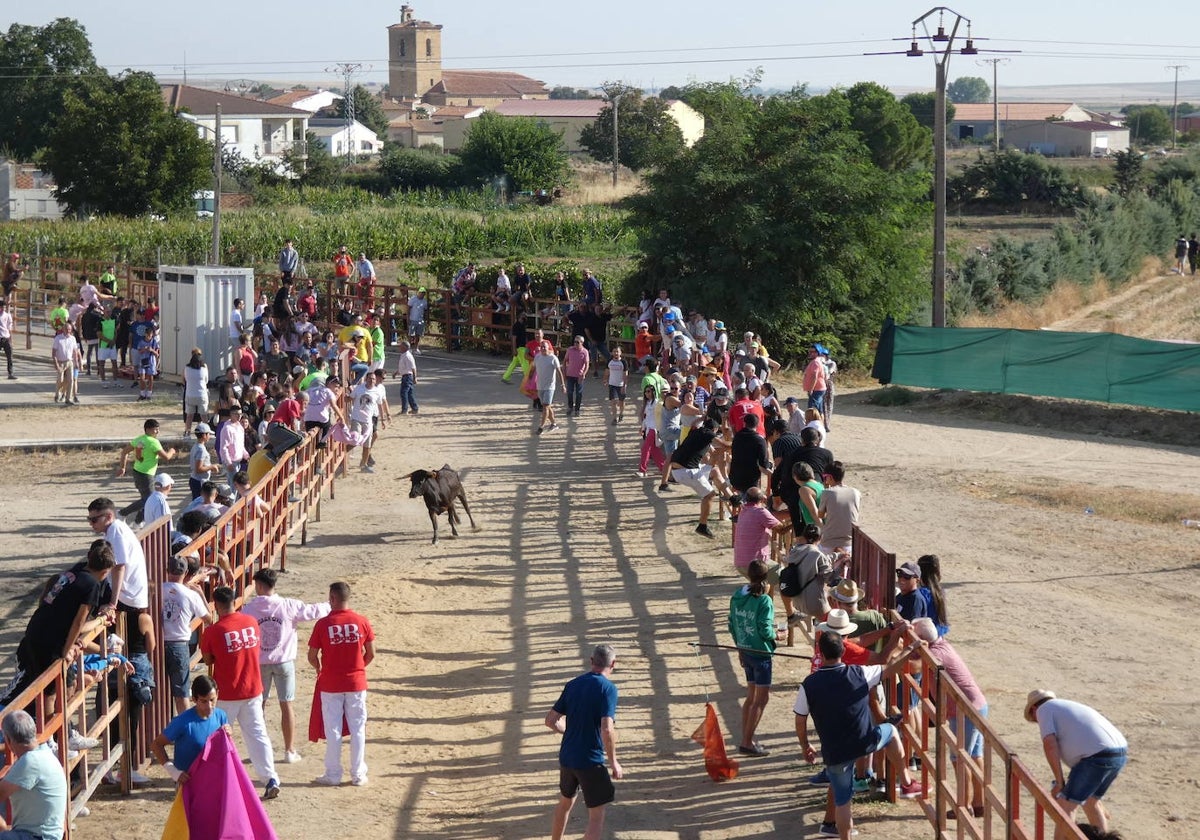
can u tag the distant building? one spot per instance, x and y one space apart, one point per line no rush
256 130
339 140
26 192
571 116
306 100
415 70
974 120
1081 138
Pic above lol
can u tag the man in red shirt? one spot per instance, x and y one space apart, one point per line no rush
343 264
307 302
742 406
340 649
289 412
230 649
247 359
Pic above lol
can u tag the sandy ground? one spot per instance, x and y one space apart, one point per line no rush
477 635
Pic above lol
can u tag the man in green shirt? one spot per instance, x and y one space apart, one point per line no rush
107 351
59 316
654 379
378 345
318 374
108 281
146 450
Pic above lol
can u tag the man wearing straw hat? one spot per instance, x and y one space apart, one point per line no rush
1083 739
837 696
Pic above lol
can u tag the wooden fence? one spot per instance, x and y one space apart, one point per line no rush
248 537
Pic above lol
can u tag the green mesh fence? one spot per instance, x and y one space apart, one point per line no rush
1101 367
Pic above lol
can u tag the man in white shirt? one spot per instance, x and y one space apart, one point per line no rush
368 410
6 328
129 581
549 374
182 603
236 324
406 369
418 305
157 506
64 352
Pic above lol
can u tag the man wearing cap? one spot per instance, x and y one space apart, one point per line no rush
1083 739
815 380
343 265
418 306
202 468
837 697
643 341
6 328
157 506
146 450
909 602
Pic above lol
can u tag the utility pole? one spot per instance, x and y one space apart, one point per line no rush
614 91
347 71
216 219
1175 104
995 100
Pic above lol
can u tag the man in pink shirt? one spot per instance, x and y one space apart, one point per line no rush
575 370
231 444
277 617
752 536
815 380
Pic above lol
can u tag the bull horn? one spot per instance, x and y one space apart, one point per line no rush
433 473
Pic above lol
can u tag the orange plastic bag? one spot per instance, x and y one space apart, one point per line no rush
719 766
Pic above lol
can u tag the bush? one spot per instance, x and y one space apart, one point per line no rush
1012 180
418 169
893 395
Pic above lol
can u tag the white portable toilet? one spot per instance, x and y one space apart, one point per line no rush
195 304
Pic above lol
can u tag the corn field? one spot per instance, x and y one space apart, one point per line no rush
255 236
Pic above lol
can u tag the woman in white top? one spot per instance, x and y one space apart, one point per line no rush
195 391
814 420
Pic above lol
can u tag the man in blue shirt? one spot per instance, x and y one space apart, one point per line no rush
35 784
190 731
584 715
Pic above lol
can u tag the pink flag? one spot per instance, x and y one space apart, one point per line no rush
219 798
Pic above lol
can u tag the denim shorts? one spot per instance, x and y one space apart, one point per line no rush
841 776
1092 776
757 668
179 668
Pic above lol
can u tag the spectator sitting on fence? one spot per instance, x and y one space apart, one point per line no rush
35 784
502 295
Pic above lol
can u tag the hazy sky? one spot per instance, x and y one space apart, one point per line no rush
643 43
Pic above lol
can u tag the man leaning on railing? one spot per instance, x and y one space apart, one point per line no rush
35 784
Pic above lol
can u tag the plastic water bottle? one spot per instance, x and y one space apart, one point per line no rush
1191 523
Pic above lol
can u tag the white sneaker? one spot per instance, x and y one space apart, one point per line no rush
79 741
292 757
417 350
139 779
326 781
358 781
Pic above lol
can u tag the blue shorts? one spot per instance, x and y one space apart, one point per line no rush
757 668
616 392
841 776
1092 776
817 400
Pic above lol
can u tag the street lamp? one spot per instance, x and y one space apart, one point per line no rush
940 47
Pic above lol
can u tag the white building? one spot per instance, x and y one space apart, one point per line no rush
339 140
306 100
26 193
258 131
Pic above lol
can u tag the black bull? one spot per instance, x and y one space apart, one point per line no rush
440 488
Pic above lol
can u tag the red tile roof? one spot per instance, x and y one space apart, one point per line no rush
488 83
1010 111
202 102
589 108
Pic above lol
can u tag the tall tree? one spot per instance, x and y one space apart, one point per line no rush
969 89
1127 170
922 104
116 148
647 134
1148 124
780 220
527 152
889 129
39 65
564 92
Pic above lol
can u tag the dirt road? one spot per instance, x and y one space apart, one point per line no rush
477 635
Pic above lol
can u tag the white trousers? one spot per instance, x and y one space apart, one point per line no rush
249 717
353 704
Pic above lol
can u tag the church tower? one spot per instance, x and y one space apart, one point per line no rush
414 55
